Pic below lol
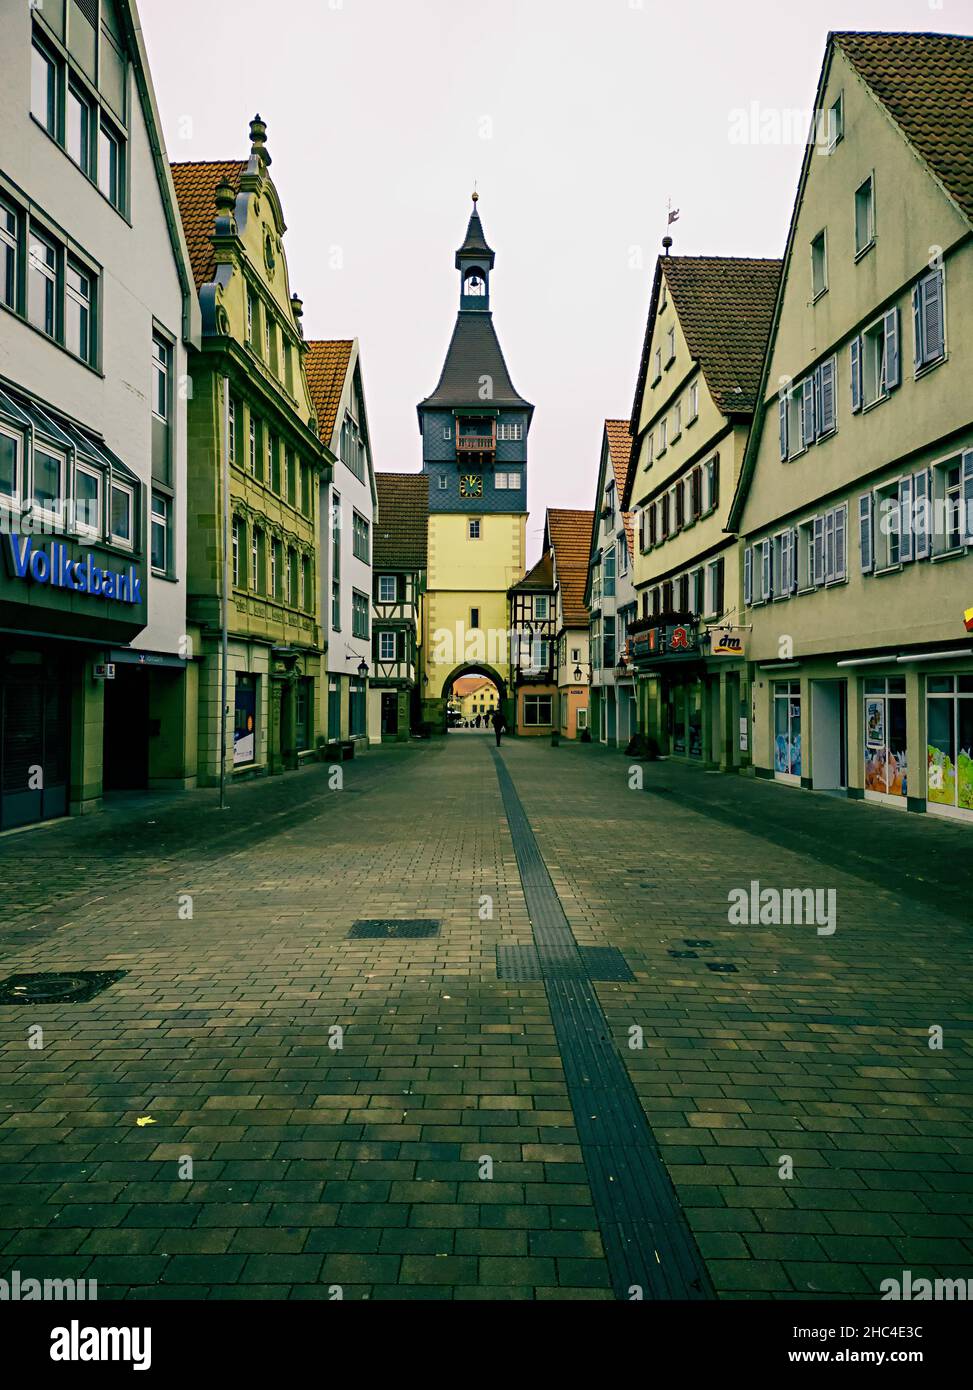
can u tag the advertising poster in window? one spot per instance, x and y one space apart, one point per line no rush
875 723
245 721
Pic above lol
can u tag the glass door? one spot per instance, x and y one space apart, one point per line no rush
787 731
886 761
949 739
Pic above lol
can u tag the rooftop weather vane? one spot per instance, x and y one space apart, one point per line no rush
672 215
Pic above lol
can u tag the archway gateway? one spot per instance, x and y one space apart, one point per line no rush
475 668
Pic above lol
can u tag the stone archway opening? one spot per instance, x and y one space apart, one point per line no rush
471 694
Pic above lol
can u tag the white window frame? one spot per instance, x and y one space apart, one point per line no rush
83 528
118 486
55 513
13 499
822 237
836 122
164 519
382 596
693 404
862 247
671 346
474 530
383 654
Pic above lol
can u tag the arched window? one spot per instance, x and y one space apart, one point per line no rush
474 282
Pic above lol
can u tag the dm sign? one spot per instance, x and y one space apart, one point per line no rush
54 566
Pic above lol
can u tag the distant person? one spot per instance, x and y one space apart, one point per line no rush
499 724
477 722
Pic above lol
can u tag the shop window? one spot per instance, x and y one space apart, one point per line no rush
949 739
787 729
538 711
245 720
886 763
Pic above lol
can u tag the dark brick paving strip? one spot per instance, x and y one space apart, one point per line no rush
361 1166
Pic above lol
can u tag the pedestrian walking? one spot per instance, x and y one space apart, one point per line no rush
499 723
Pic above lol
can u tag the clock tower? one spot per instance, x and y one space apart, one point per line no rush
474 430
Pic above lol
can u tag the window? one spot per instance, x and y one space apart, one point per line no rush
161 363
473 530
78 133
714 587
621 547
307 587
510 431
9 252
87 500
864 215
273 462
43 89
447 431
42 284
929 320
77 317
538 711
474 619
875 362
836 122
336 535
677 420
711 473
252 455
670 347
48 480
608 641
250 316
307 506
663 436
664 517
953 502
231 425
160 532
256 546
541 609
276 557
949 720
359 614
575 654
111 173
506 480
359 540
819 265
289 479
239 540
693 413
649 449
386 646
336 606
657 365
291 577
122 515
387 588
608 570
442 482
11 446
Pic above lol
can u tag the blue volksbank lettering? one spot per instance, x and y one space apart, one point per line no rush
54 566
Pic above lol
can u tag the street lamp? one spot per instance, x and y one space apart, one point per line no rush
577 675
363 668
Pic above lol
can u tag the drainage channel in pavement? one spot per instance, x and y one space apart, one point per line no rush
648 1244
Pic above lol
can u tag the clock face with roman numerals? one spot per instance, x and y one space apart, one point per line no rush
470 485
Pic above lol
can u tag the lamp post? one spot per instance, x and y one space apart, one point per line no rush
577 675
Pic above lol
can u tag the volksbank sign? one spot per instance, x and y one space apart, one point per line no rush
53 565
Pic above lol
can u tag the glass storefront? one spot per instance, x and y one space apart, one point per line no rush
787 730
949 740
886 761
687 720
34 737
303 708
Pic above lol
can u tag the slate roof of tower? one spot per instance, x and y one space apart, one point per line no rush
925 82
400 530
475 243
569 533
474 352
196 183
326 367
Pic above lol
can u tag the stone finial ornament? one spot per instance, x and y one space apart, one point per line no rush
258 139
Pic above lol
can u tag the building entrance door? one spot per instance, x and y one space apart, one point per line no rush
829 716
390 714
126 738
34 733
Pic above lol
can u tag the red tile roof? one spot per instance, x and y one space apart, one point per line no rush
196 184
469 685
925 82
569 533
326 367
400 529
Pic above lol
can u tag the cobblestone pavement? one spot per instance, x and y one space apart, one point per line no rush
362 1166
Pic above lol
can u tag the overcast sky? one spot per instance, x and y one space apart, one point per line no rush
578 119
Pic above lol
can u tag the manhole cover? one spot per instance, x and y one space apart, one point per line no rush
719 968
70 988
412 926
694 944
684 955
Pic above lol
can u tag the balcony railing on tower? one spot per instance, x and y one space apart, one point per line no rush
476 437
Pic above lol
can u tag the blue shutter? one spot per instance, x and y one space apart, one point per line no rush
782 406
893 366
807 413
922 529
795 542
932 317
856 375
906 550
747 576
817 568
766 576
840 527
966 508
917 325
865 534
826 398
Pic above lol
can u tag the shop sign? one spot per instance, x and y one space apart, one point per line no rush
679 639
54 566
725 644
104 671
